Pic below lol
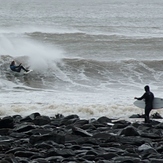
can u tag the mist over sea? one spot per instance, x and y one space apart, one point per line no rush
89 57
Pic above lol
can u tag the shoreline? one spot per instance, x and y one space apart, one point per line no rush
38 138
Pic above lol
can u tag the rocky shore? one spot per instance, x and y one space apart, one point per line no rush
41 139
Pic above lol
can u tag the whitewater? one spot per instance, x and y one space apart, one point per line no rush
89 58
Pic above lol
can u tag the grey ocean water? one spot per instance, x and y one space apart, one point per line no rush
89 57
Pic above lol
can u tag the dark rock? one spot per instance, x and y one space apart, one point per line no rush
43 145
159 125
41 120
104 120
17 118
22 160
88 126
85 140
89 157
69 138
60 152
13 150
24 128
160 148
131 140
69 120
54 159
126 159
26 154
81 132
7 122
145 150
56 137
18 135
10 158
102 135
108 155
97 124
4 131
42 139
59 116
129 131
38 131
91 152
151 135
30 118
40 160
135 116
72 116
155 160
74 147
120 124
80 123
156 116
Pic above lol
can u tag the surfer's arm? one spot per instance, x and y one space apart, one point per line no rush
140 98
18 66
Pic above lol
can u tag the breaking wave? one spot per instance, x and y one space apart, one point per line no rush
83 74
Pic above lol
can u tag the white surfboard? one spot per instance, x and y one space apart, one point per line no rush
25 73
157 103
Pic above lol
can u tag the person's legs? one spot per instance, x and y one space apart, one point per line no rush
18 69
147 111
24 69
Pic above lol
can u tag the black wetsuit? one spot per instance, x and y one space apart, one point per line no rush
17 68
149 97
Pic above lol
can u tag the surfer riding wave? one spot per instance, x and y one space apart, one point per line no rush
18 68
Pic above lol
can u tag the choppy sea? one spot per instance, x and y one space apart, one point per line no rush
89 57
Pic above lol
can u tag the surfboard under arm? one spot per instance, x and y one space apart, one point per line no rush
157 103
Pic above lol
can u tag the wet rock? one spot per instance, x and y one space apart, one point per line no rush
9 158
71 119
102 135
120 124
26 154
126 159
88 126
7 122
40 160
24 128
80 123
79 131
41 120
136 116
56 137
37 138
155 160
129 131
60 152
4 131
104 120
55 159
146 150
108 155
30 117
156 116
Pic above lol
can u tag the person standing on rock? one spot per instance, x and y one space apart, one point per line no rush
148 96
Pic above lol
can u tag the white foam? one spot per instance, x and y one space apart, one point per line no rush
40 55
88 105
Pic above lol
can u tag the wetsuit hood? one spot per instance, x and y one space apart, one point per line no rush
146 88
